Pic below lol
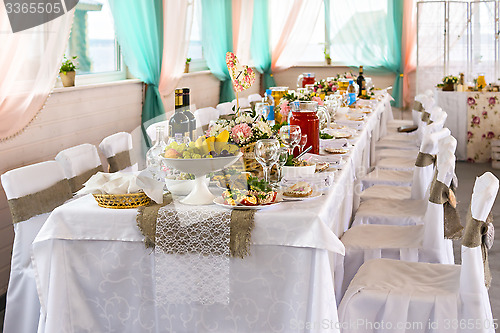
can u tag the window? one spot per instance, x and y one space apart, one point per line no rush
195 50
315 50
93 41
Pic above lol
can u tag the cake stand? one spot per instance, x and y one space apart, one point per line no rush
200 167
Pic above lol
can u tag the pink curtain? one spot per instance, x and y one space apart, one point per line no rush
409 47
295 33
29 65
177 20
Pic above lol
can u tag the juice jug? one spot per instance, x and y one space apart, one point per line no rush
309 116
305 78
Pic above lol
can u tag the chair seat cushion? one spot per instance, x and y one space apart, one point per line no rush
396 144
371 236
396 163
387 177
409 153
386 192
390 212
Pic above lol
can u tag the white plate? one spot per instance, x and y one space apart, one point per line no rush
219 201
312 196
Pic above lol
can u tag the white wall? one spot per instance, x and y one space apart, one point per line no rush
71 116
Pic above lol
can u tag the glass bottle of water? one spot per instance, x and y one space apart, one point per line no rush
153 159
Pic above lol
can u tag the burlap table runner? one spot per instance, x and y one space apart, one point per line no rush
41 202
241 226
119 161
442 195
480 233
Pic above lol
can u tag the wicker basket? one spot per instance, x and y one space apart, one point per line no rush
121 201
250 164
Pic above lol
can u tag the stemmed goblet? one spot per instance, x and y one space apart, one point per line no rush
290 135
266 153
303 142
282 158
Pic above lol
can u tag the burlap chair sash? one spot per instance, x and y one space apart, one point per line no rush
119 161
417 106
76 183
480 233
41 202
241 226
426 117
424 159
442 195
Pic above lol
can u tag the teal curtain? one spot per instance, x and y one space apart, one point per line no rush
368 33
139 30
217 40
260 44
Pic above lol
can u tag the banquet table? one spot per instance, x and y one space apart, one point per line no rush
94 273
473 119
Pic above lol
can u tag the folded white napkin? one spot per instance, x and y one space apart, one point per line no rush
351 123
334 143
123 183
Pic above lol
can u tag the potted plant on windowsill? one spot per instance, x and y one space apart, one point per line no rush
67 71
449 83
186 66
328 58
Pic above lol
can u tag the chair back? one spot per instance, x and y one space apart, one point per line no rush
117 150
32 192
204 116
151 130
225 108
254 98
243 103
79 163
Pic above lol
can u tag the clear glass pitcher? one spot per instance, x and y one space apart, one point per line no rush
305 78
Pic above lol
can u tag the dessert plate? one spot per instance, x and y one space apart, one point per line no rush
219 201
311 196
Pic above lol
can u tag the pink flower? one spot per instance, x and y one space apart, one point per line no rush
490 135
317 99
284 108
492 101
476 120
470 135
241 133
471 101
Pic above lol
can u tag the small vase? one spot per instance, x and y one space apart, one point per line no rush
328 61
186 68
449 87
68 79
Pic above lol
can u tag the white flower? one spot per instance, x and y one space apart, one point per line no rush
263 127
217 128
243 119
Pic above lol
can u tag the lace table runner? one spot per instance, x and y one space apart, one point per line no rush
192 254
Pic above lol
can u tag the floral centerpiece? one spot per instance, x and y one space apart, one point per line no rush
285 105
326 86
244 130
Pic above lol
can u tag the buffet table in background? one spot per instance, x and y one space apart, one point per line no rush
474 120
94 273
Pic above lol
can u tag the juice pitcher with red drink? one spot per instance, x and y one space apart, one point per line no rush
305 78
310 117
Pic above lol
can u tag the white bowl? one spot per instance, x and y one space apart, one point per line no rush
181 186
298 171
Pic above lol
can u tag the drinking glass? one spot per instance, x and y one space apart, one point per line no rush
262 109
266 153
303 141
290 136
282 157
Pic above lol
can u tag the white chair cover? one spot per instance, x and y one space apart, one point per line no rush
151 130
392 291
117 143
22 309
225 108
205 115
243 101
77 160
254 98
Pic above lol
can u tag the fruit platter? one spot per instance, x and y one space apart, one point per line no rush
200 158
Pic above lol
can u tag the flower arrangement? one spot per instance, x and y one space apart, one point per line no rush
450 79
68 65
326 86
347 75
243 129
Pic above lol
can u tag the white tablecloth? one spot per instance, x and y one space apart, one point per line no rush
95 275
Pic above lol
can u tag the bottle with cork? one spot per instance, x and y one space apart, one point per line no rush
186 105
179 122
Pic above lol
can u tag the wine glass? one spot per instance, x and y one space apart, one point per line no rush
290 136
303 142
282 158
266 153
262 109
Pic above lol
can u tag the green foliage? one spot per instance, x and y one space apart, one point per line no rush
68 65
188 60
450 79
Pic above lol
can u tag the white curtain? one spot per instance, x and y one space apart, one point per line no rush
177 22
29 65
292 25
242 29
